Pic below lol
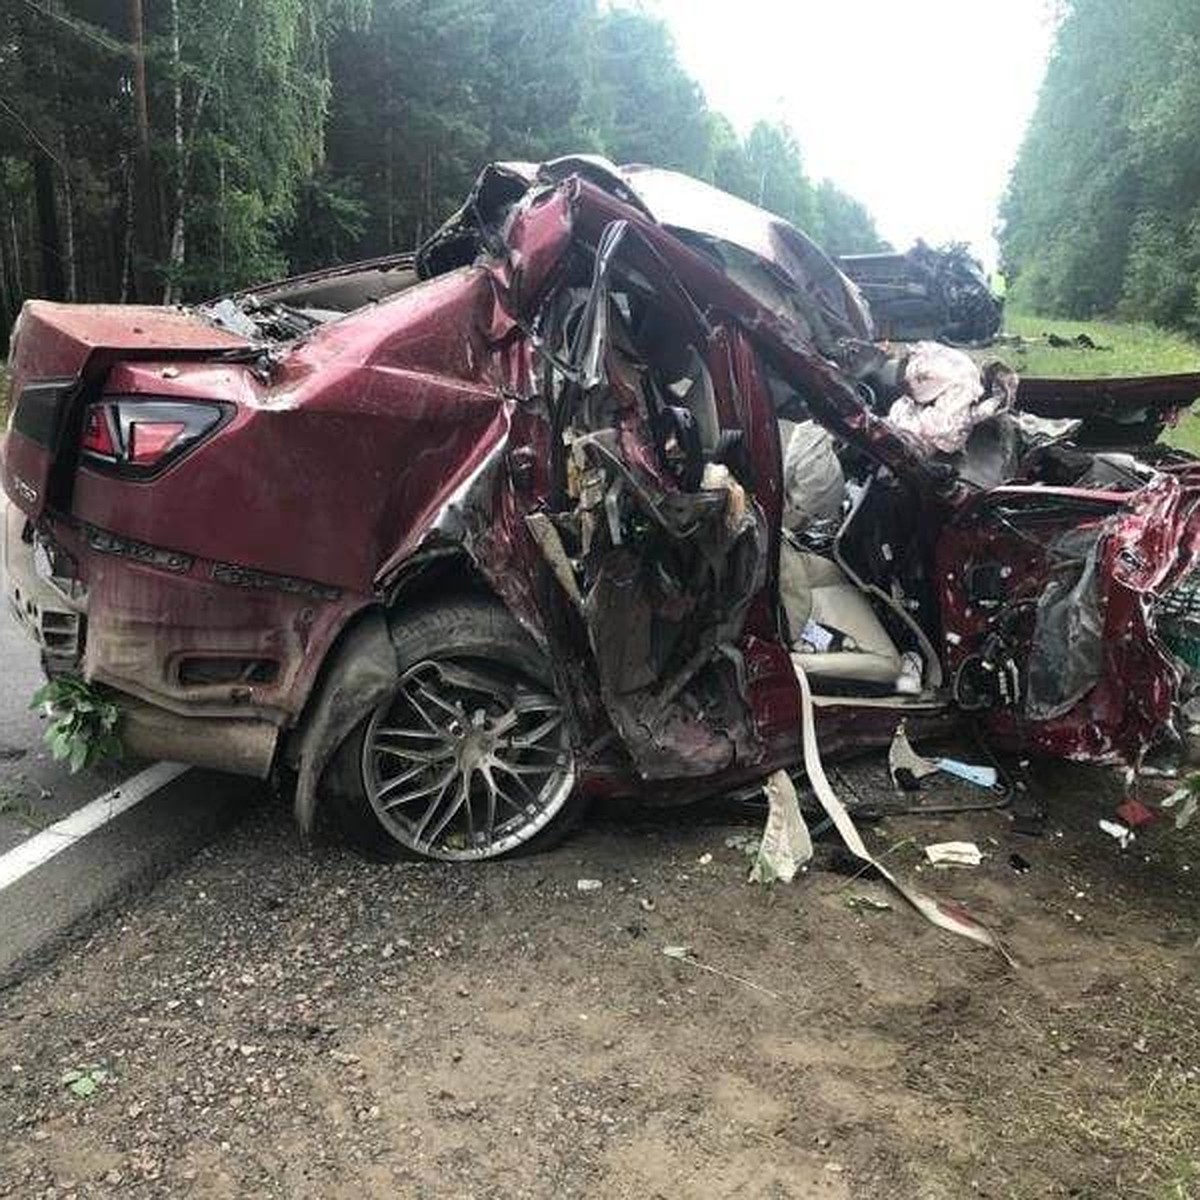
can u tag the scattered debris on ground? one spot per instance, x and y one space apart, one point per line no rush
954 854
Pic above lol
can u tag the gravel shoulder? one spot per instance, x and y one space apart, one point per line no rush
274 1021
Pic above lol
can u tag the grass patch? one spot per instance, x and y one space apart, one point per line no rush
1143 1124
4 391
1130 349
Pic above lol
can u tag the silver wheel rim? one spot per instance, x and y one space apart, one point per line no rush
467 760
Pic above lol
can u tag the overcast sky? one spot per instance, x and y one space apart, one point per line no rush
916 107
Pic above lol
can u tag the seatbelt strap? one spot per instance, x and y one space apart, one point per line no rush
951 917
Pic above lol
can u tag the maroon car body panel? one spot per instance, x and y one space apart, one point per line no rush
1127 412
65 343
355 431
1150 543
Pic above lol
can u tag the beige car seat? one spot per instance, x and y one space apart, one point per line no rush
816 589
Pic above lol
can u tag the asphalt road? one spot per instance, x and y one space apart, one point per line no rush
55 879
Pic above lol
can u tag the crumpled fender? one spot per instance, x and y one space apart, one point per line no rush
362 674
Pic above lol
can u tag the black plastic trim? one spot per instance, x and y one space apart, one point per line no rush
41 408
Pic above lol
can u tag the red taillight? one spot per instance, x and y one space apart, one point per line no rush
150 441
139 436
98 434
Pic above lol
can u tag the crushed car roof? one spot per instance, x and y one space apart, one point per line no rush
766 256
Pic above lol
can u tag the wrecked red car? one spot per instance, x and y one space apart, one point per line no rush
553 509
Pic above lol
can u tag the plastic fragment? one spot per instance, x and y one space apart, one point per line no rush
1135 814
1187 801
786 845
948 916
1115 829
984 777
907 768
684 954
954 854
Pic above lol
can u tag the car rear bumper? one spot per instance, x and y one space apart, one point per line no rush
56 621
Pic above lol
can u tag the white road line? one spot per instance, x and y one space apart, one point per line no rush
55 838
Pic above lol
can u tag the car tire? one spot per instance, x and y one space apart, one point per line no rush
470 758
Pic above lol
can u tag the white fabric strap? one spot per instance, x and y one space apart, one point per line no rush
951 917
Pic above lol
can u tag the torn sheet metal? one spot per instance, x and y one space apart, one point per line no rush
951 917
658 545
1112 412
1033 629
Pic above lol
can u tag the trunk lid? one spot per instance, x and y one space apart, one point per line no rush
1118 413
62 351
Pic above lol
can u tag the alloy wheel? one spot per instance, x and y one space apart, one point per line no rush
467 761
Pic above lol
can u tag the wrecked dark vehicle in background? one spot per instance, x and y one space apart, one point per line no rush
924 293
557 508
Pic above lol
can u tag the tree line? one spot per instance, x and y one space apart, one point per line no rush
1102 213
164 150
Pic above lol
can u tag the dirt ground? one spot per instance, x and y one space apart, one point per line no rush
275 1022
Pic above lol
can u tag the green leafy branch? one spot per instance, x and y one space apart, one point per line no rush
83 723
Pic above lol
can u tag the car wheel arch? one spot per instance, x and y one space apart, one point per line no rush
360 670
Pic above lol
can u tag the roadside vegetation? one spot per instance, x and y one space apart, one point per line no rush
1123 348
82 730
1102 213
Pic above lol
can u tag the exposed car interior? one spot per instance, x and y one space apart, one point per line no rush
848 595
856 638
